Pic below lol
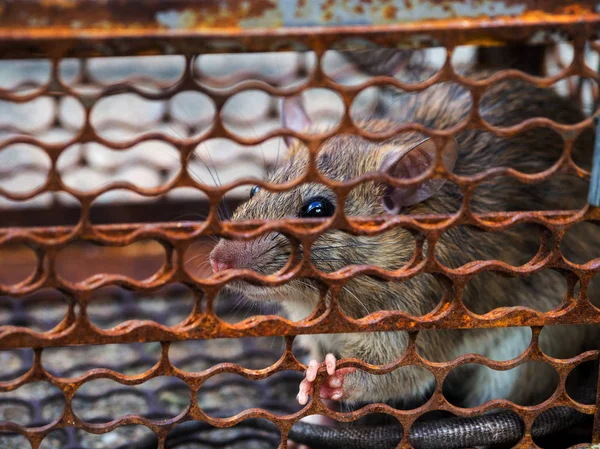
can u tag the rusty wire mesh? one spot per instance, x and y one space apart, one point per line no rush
48 259
105 400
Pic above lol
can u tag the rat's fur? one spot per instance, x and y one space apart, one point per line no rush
345 157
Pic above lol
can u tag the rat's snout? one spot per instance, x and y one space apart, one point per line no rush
229 254
258 255
219 265
222 258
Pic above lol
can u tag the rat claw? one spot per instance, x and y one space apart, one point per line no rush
311 372
331 387
304 391
330 362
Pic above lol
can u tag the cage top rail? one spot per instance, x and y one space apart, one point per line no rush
252 14
125 27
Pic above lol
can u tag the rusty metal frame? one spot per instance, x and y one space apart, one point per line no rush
205 16
69 28
115 28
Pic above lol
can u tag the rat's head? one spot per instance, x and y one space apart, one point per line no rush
341 158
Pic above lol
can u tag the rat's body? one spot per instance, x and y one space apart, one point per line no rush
345 157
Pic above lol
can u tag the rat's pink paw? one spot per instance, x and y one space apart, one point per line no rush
332 387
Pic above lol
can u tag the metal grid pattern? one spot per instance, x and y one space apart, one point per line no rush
176 239
160 401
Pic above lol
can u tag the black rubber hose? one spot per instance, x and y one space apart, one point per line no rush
452 433
502 427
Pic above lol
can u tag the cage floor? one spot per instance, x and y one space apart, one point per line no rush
161 398
101 401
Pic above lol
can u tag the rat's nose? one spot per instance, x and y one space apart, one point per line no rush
217 264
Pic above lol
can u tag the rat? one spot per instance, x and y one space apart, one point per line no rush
390 61
407 155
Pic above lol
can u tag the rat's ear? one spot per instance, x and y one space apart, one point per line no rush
294 117
411 163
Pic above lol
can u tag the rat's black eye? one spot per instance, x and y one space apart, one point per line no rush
254 191
317 208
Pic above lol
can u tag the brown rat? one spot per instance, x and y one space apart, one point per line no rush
389 61
345 157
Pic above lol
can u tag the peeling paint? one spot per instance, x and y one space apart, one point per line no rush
274 17
489 9
202 15
380 12
175 19
256 24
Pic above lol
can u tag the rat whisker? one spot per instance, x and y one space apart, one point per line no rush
196 257
357 245
302 293
191 215
306 284
241 302
330 259
276 245
216 180
223 214
188 167
271 248
201 266
255 135
228 213
250 308
347 290
277 157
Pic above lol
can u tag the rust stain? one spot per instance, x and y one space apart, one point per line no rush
59 3
575 10
390 12
327 5
243 19
118 19
215 15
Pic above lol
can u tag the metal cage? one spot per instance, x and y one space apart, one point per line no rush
93 254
